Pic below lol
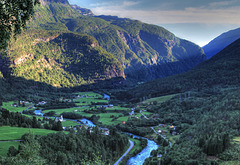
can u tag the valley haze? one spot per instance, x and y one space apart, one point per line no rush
83 87
197 21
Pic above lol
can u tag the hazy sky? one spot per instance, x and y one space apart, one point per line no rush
197 20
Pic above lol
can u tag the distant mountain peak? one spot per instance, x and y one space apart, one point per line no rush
83 11
220 42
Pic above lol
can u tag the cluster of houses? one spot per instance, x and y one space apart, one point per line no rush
167 126
20 103
104 131
42 103
107 106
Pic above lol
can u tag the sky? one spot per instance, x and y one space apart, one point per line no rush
199 21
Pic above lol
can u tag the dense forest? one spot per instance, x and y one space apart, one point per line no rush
222 70
83 146
63 52
208 120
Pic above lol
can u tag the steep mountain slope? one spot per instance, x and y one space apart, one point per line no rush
219 43
139 47
61 59
221 70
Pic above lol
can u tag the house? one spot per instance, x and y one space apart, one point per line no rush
131 113
110 106
59 119
42 102
123 122
14 105
174 133
105 131
171 126
159 155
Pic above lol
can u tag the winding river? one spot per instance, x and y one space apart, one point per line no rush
136 160
144 154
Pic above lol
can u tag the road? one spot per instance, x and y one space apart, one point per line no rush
144 115
162 136
129 149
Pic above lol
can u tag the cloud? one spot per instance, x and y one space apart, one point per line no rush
130 3
222 4
228 15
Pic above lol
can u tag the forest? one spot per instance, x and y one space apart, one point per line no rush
82 146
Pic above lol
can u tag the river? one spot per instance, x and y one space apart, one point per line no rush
136 160
144 154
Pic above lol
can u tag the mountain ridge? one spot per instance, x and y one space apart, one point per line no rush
220 42
129 48
222 70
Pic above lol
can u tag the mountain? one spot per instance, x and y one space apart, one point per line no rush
158 52
61 59
219 43
222 70
83 11
135 44
65 46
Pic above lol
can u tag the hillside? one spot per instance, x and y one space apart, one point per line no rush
219 43
61 59
143 50
222 70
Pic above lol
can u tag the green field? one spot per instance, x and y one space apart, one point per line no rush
69 123
137 146
159 100
89 97
105 118
237 139
87 101
89 94
37 117
118 108
59 111
7 105
4 146
15 133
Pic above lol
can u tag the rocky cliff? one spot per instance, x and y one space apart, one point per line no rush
120 47
61 59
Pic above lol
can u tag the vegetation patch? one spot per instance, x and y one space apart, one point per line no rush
15 133
4 146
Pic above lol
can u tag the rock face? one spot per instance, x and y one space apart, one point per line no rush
221 71
222 41
151 51
115 47
61 59
83 11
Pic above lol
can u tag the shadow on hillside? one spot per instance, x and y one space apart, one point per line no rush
146 73
14 88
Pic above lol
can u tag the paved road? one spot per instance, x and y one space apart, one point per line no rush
144 115
162 136
131 146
